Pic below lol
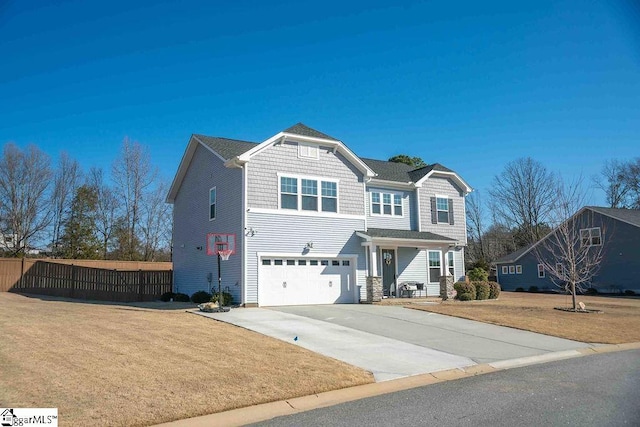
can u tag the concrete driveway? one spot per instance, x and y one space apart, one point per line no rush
394 342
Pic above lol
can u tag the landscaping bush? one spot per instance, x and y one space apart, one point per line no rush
464 297
465 288
533 289
591 291
166 297
227 298
494 290
482 290
181 298
519 289
200 297
629 292
478 275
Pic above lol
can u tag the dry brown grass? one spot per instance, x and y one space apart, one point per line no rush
619 322
104 364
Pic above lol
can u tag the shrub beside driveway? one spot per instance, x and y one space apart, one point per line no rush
103 364
619 322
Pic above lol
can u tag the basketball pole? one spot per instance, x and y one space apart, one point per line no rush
219 284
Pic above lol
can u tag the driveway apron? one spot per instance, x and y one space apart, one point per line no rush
392 342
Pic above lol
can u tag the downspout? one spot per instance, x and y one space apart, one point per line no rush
244 234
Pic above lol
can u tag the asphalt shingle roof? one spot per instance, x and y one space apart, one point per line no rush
512 257
387 171
632 216
227 148
302 129
405 234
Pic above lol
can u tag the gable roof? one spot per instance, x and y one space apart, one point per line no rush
225 147
304 130
235 152
630 216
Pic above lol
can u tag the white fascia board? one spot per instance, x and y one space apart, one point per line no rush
182 169
418 243
339 145
374 182
461 182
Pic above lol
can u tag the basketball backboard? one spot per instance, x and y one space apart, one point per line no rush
220 241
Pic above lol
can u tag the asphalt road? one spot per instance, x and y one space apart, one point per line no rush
598 390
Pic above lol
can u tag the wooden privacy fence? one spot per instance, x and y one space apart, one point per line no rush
73 281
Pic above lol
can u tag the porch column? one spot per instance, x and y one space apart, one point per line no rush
444 266
373 256
446 279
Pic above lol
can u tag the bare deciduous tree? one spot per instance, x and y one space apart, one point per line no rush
156 224
523 197
571 254
476 229
132 175
620 181
24 207
106 207
65 182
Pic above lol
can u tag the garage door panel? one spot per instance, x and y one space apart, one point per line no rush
306 281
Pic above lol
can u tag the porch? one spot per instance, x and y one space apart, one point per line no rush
410 263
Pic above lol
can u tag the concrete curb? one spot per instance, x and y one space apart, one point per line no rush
267 411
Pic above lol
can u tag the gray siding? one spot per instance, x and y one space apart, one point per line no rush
619 269
406 222
265 166
443 186
413 266
191 225
280 233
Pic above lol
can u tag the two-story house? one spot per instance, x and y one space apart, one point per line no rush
311 221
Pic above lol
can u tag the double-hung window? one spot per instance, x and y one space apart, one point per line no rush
308 194
329 196
442 205
541 271
450 263
212 203
591 236
386 204
288 193
434 266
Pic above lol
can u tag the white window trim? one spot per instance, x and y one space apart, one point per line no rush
442 196
439 252
214 203
505 270
393 205
590 243
303 145
518 269
512 269
318 180
453 262
543 275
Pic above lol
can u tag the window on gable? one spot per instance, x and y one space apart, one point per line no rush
329 196
442 205
308 151
540 271
288 193
434 266
591 236
375 203
212 203
309 195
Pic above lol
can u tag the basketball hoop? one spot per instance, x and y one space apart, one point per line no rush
225 254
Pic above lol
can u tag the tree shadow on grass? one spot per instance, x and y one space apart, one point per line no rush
146 305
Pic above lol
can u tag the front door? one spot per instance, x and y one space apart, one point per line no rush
388 271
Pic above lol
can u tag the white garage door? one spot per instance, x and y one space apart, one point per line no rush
300 281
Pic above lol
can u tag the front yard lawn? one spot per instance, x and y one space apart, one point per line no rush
620 322
103 364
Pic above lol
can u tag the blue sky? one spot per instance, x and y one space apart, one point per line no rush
471 85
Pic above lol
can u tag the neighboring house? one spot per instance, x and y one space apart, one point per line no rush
616 230
312 220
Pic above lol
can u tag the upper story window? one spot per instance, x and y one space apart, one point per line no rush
386 204
308 151
591 236
442 210
302 194
212 203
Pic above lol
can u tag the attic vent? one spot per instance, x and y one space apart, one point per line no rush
308 151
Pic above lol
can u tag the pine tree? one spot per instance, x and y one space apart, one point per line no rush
79 240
